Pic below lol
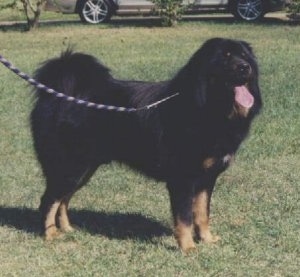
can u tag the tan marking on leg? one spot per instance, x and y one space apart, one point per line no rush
208 162
184 236
50 226
63 218
201 218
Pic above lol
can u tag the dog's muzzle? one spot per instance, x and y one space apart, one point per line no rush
244 70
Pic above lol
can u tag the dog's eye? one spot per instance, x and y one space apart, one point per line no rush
227 54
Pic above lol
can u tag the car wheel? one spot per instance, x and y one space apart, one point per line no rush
95 11
248 10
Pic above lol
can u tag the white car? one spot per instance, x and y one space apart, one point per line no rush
97 11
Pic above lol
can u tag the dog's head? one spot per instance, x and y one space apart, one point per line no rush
229 69
230 62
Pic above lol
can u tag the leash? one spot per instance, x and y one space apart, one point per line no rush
78 101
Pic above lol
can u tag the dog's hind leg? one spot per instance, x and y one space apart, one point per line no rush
62 184
48 208
63 218
49 222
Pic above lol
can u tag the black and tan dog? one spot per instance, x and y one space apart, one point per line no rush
187 141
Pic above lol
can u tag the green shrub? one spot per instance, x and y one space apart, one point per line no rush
294 9
170 11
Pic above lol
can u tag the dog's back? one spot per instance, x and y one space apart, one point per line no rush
103 136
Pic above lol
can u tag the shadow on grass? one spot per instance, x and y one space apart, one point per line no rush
111 225
148 22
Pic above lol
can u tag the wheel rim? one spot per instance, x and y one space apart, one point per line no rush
250 9
95 11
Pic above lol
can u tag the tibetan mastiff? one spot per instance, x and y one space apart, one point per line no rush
186 141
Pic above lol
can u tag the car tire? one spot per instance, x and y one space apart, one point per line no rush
248 10
95 11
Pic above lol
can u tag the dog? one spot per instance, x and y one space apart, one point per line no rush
186 141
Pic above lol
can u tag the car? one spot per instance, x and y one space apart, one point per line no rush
99 11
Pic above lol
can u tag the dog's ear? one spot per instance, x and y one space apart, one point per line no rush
190 84
248 47
200 92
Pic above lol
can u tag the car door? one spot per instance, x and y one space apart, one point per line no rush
131 5
65 6
211 2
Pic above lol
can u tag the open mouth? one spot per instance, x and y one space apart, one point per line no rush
243 97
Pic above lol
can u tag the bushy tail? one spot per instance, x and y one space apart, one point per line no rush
74 74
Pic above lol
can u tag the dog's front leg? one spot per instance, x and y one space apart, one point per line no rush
201 211
181 197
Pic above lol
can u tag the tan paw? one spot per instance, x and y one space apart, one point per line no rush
188 247
52 233
67 228
209 238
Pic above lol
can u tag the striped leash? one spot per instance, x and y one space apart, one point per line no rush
75 100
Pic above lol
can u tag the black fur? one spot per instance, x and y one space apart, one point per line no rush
171 142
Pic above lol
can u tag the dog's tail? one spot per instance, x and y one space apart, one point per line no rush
73 74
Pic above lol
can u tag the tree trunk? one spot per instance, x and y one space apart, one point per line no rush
32 13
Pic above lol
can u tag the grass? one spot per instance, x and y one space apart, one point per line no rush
124 220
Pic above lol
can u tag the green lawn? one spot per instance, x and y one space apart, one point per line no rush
124 221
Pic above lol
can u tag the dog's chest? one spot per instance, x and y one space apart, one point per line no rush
214 162
219 151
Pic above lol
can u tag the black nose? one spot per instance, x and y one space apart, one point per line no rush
244 68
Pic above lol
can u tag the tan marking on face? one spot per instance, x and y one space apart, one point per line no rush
242 111
201 218
208 162
184 236
50 225
238 111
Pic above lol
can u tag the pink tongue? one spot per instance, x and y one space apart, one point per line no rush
243 97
